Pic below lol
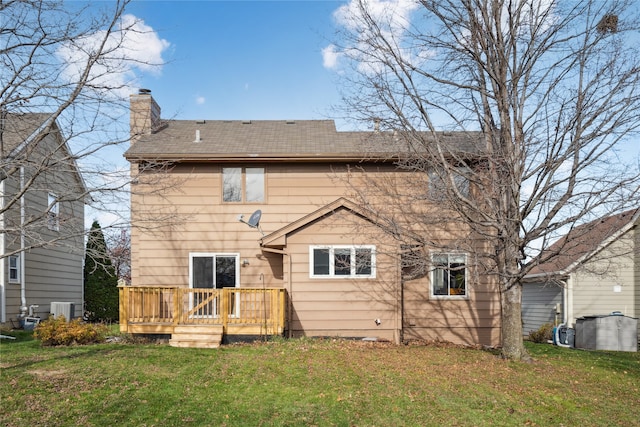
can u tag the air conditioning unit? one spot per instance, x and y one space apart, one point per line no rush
65 309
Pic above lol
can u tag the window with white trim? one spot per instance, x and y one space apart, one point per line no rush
243 185
53 217
208 272
342 261
14 268
214 270
449 275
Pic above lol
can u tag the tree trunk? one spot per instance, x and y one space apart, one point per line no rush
512 344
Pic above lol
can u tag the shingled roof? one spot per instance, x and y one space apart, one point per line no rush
310 140
17 128
583 242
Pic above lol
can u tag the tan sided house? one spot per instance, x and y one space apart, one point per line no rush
248 228
41 221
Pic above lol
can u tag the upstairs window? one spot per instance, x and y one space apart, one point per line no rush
14 269
342 261
243 185
440 186
449 275
53 217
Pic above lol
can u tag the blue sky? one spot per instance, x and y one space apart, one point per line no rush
242 59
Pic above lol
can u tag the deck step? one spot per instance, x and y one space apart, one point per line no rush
196 336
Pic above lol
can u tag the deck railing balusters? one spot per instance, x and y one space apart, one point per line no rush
166 307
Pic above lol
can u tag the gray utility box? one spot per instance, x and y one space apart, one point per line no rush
607 332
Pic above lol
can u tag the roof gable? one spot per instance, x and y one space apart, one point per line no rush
584 242
20 131
278 237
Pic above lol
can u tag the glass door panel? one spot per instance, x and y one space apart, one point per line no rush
210 273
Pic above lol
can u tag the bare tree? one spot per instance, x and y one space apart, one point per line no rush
119 251
66 74
552 90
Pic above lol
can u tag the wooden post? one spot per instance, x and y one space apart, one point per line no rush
177 305
123 304
225 309
282 294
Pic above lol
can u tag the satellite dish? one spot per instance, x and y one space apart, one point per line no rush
254 219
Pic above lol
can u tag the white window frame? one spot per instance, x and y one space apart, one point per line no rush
53 213
332 249
17 259
213 255
434 269
250 178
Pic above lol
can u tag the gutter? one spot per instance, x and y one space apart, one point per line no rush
275 157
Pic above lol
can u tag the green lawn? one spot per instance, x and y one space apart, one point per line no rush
313 383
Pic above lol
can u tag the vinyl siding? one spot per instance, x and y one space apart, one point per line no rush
475 320
539 301
54 272
607 282
346 307
198 221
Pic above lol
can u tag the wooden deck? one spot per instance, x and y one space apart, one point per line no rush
237 311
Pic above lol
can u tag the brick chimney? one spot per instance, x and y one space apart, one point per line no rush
144 114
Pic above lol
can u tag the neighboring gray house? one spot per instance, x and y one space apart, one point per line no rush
596 272
41 219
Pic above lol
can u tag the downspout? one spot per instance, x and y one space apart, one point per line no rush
290 285
568 300
23 285
3 298
400 307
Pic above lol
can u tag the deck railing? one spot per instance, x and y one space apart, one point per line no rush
159 309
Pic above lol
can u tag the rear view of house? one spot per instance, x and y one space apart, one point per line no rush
41 220
251 227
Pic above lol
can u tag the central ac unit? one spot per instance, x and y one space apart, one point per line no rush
65 309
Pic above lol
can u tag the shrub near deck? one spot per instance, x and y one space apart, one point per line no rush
313 382
57 331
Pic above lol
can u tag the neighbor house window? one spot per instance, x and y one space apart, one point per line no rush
243 185
449 275
342 261
14 268
53 218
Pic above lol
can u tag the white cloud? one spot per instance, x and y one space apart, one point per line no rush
330 57
392 18
200 100
395 13
131 49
